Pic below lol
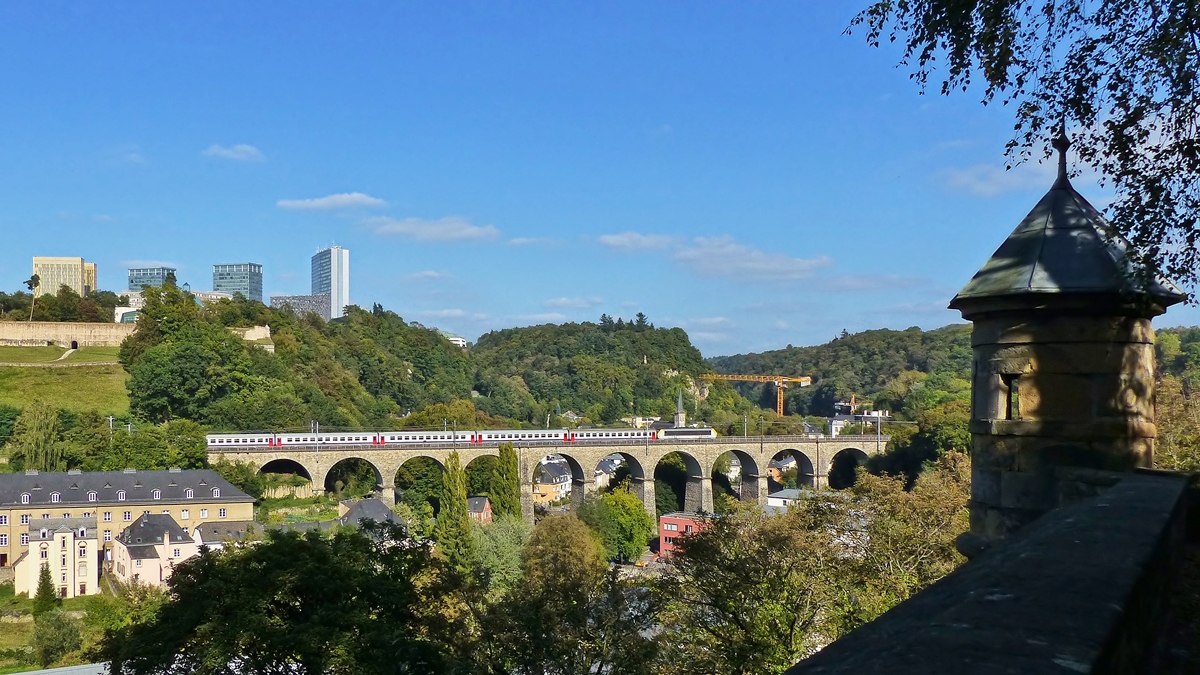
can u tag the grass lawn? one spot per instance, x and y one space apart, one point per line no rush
90 354
100 388
30 354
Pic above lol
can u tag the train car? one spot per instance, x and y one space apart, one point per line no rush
523 436
686 433
586 435
240 440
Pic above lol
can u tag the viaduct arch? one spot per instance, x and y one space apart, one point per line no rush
821 455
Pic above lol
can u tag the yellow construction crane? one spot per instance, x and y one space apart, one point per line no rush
781 382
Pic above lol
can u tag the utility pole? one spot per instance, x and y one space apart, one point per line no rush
745 425
111 419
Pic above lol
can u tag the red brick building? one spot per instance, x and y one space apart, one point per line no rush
672 525
480 508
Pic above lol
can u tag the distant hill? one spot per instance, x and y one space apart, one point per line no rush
859 363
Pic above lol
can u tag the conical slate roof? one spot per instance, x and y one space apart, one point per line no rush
1064 246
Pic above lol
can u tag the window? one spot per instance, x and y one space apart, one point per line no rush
45 533
108 535
107 516
671 527
185 514
64 564
3 540
156 494
66 515
127 516
120 495
83 533
45 554
87 514
216 492
188 494
138 563
24 538
82 551
687 528
176 553
24 518
45 516
55 497
203 513
92 496
24 497
221 513
3 520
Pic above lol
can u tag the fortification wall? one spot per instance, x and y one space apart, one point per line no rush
42 333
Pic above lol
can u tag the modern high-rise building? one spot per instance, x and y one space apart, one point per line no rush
55 272
148 276
244 278
303 304
331 276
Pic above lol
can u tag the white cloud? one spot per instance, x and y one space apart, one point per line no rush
632 241
240 152
572 303
708 322
704 336
870 282
344 200
453 313
450 228
724 257
429 275
990 180
529 241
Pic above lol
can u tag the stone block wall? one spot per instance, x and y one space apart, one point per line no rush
43 333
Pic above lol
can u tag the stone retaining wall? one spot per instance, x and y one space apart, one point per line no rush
43 333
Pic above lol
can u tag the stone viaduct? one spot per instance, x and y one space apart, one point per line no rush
816 457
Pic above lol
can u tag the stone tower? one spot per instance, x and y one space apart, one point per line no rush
680 415
1063 372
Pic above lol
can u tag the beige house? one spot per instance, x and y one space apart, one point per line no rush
148 550
113 499
69 547
55 272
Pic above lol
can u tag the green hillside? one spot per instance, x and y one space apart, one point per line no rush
864 364
98 388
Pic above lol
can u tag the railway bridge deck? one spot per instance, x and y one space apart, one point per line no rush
816 457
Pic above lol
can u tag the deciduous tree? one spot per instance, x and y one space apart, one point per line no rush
36 438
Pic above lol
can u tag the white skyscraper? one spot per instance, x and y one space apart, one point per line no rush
331 276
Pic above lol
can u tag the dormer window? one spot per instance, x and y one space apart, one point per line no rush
83 533
216 492
45 533
55 497
24 497
188 494
92 496
120 495
156 494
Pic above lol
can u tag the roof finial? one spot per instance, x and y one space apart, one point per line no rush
1062 144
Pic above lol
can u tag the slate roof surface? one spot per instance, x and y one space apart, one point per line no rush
148 530
476 504
73 487
55 525
373 509
553 472
1063 246
222 530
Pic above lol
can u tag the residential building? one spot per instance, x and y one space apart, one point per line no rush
552 482
671 525
149 549
331 276
782 499
204 297
244 278
353 513
114 499
304 304
480 508
217 534
55 272
606 469
453 339
69 547
148 276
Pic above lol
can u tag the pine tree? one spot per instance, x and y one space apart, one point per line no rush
453 529
506 484
47 596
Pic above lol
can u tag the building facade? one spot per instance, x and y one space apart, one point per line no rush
55 272
303 304
244 278
331 276
148 276
204 297
113 499
69 548
149 549
671 525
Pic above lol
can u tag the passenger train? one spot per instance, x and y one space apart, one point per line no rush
487 437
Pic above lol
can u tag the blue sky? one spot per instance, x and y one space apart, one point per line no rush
743 170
